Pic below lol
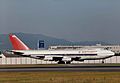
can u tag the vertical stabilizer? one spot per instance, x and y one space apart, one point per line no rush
17 43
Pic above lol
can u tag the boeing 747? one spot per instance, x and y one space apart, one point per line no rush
61 56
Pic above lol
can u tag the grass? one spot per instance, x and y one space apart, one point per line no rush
59 77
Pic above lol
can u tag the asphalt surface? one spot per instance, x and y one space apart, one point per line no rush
81 68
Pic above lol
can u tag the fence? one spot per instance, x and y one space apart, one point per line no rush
27 60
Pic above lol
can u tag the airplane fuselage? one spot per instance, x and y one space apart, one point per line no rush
83 54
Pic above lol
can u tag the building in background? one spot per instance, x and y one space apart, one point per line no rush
114 48
40 44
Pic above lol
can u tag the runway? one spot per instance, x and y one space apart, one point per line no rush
74 68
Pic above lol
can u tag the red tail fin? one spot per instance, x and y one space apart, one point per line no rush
17 43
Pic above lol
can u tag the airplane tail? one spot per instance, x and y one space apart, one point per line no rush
17 43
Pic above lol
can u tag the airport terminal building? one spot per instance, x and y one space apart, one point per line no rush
27 60
114 48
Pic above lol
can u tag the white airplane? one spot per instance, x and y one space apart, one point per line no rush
61 56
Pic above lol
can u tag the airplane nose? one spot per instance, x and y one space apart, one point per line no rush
112 53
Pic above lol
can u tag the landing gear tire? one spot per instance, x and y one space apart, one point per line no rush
61 62
103 61
68 62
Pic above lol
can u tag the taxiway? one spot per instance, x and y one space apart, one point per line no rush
81 68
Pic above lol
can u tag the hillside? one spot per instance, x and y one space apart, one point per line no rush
32 39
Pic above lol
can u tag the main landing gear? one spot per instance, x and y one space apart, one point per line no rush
68 62
63 62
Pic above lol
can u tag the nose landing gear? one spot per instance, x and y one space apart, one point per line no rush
103 61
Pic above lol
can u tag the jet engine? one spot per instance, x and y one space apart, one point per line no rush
48 58
66 59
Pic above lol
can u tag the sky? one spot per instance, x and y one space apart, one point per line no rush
74 20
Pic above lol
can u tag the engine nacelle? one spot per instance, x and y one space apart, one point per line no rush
48 58
37 56
76 59
66 59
